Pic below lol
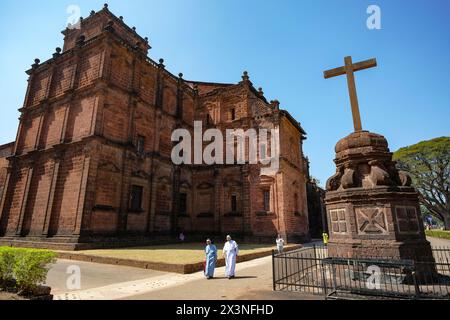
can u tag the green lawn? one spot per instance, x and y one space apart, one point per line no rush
174 254
438 234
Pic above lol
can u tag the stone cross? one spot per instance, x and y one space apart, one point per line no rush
349 70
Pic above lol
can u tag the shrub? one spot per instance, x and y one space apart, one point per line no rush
28 267
7 257
31 268
438 234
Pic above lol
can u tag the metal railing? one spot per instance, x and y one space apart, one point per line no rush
310 271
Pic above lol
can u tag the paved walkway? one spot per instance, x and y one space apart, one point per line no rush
106 282
94 275
438 242
253 281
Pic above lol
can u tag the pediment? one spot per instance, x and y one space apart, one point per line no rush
140 174
108 166
266 179
185 184
205 185
164 180
232 183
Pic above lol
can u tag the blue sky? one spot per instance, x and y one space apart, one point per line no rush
285 46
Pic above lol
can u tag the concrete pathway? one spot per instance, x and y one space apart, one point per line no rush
93 275
107 282
438 242
253 281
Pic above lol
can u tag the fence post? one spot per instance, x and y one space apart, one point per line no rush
286 261
273 271
324 280
416 285
315 253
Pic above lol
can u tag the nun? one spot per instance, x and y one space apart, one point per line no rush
230 252
211 259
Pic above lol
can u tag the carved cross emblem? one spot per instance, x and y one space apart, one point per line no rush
371 221
407 220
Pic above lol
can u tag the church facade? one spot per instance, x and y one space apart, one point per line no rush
91 164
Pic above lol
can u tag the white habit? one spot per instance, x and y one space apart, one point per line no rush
230 250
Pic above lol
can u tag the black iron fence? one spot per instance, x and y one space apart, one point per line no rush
310 270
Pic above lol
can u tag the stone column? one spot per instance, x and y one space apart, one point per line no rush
160 85
38 139
175 198
82 193
152 205
24 200
50 201
218 192
125 192
246 208
132 103
70 91
3 214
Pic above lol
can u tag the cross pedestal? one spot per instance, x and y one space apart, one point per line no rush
373 211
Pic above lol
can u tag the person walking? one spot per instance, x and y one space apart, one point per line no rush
280 244
325 239
211 259
230 252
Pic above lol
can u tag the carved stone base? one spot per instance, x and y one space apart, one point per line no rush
417 250
373 212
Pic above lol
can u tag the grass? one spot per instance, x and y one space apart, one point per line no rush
185 253
438 234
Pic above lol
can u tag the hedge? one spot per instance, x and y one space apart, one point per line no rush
438 234
26 268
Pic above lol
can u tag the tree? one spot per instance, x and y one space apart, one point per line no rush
428 163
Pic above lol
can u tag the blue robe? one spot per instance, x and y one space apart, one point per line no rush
211 256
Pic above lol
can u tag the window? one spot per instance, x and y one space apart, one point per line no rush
183 203
233 114
140 144
233 203
208 120
266 197
136 198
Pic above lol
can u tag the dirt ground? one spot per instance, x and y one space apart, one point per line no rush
9 296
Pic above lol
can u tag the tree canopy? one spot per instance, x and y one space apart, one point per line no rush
428 163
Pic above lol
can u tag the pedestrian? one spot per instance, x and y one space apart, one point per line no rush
211 259
325 238
280 244
230 252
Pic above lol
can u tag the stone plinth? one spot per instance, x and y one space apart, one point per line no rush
372 209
